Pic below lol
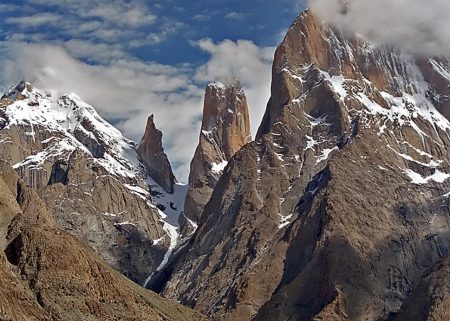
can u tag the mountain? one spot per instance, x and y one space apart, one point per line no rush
98 184
225 129
151 152
339 210
47 274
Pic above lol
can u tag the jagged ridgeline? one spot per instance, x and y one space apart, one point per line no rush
225 129
117 196
338 210
47 274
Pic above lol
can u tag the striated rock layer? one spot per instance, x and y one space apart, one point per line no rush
225 129
46 274
91 177
339 210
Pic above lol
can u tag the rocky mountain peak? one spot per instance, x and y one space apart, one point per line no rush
314 53
24 91
225 129
151 153
345 188
61 147
225 117
18 91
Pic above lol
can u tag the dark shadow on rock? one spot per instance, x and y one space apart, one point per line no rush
60 173
138 257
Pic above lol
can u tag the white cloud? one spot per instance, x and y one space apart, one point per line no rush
97 52
235 15
130 90
121 14
241 60
35 20
105 20
94 61
131 13
201 17
89 26
8 7
153 38
417 26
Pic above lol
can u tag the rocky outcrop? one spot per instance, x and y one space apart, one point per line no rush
46 274
339 209
225 129
436 72
90 176
151 153
430 300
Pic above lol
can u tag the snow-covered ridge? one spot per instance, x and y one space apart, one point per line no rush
378 88
59 125
75 124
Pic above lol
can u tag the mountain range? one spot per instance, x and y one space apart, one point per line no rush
338 209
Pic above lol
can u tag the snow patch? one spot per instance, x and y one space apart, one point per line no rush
416 178
444 71
431 164
66 117
325 154
125 223
337 83
217 168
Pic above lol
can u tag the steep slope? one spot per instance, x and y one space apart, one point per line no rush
225 129
46 274
340 207
430 300
90 176
151 152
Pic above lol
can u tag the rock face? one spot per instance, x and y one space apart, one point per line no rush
91 178
46 274
225 129
151 152
430 300
339 210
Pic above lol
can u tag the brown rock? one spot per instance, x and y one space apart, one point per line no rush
46 274
152 154
225 129
335 212
78 167
430 300
435 72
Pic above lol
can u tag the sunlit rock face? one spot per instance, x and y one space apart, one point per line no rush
47 274
152 154
225 129
93 178
339 210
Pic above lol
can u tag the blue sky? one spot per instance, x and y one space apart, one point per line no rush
130 59
169 26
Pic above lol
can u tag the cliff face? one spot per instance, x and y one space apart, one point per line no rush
46 274
152 154
225 129
339 209
91 177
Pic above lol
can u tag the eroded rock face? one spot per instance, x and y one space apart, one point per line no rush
340 208
90 176
430 300
46 274
225 129
152 154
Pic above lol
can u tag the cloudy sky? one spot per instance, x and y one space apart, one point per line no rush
416 27
133 58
